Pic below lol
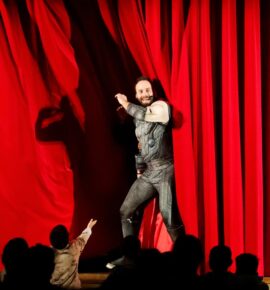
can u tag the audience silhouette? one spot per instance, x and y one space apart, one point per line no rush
124 273
247 275
43 267
187 255
12 259
220 259
38 266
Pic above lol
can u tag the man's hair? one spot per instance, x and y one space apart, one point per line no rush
59 237
143 78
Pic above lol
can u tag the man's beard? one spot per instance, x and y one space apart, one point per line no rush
147 101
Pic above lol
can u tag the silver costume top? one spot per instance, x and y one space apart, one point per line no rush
153 131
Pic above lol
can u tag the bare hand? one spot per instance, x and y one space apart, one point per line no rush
91 223
121 98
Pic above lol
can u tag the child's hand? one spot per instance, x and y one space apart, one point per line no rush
91 223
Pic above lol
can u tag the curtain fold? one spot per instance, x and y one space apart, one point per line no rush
184 160
156 21
231 145
253 204
132 26
208 169
53 25
265 46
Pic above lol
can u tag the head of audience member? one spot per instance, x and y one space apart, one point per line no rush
188 253
220 258
39 266
13 254
246 264
59 237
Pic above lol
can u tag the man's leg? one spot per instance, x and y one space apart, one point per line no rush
168 204
131 210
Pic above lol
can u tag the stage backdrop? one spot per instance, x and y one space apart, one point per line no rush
212 60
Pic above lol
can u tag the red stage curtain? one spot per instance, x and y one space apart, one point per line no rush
265 48
36 179
218 149
231 144
212 59
47 183
203 122
54 27
253 202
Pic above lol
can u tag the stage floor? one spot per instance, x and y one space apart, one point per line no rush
93 280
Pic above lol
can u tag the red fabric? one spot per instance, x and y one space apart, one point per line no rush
54 27
183 153
36 180
132 26
159 42
109 14
232 164
208 157
265 26
182 133
253 133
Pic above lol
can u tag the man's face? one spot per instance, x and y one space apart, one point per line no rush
144 93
